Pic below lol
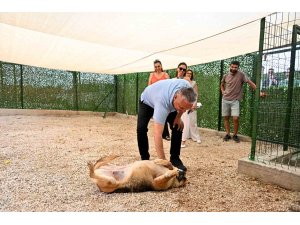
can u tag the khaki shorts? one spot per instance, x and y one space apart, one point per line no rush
230 108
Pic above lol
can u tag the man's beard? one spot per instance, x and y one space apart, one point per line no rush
233 71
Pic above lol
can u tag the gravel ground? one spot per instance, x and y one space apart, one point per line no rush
43 168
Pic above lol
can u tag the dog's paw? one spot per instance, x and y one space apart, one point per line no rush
171 173
170 166
164 163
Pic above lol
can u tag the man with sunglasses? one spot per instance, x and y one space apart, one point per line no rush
165 100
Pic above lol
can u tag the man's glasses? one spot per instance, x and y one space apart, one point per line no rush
182 69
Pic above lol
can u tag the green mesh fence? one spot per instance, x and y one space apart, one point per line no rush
207 77
96 93
39 88
47 89
10 91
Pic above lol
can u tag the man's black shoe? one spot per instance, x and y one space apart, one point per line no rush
227 137
236 138
177 163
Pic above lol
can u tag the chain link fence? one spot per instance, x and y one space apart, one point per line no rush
278 114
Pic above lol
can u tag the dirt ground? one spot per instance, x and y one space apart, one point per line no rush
43 167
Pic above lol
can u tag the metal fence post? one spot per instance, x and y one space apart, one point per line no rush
116 92
21 88
296 31
220 96
75 91
137 94
257 91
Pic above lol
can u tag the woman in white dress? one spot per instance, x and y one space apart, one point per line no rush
189 119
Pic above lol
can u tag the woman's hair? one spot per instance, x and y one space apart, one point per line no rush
192 77
158 61
182 63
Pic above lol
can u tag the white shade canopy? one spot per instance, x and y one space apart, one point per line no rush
118 43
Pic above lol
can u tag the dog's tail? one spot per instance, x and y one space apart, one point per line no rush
100 162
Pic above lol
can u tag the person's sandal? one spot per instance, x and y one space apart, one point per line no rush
167 138
183 144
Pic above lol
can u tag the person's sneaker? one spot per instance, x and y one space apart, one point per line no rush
178 163
236 138
227 137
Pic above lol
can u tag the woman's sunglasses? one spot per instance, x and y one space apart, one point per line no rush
183 69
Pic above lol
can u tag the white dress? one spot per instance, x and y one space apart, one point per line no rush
190 129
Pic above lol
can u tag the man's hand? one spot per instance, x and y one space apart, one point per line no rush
194 106
179 124
263 94
178 121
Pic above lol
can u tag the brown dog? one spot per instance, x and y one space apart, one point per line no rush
143 175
